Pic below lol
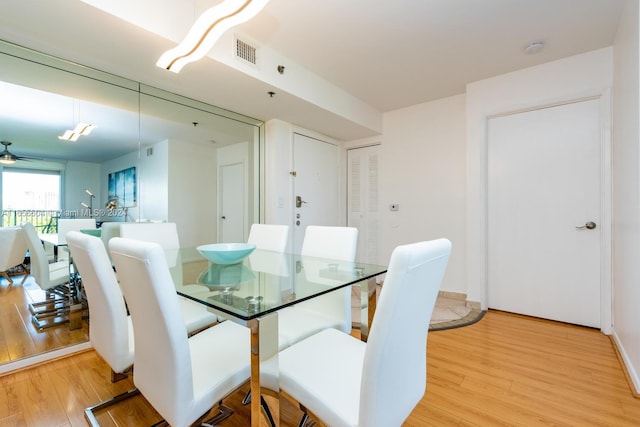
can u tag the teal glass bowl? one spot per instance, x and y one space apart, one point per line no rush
226 253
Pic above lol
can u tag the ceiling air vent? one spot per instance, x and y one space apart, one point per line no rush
245 51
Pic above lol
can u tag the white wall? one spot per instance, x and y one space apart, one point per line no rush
278 197
576 77
115 165
192 192
423 169
77 177
626 192
153 182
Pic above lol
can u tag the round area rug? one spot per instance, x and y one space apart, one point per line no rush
470 318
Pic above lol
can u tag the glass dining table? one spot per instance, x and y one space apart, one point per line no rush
254 291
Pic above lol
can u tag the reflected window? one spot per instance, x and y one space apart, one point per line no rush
30 196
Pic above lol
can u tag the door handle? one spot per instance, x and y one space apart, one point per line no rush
590 225
299 201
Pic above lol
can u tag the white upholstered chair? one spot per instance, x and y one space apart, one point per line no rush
269 237
110 328
166 235
53 278
109 230
66 225
181 377
378 383
332 310
13 250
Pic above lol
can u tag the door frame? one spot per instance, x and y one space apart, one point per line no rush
604 97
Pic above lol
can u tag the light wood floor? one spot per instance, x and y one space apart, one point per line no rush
505 370
19 338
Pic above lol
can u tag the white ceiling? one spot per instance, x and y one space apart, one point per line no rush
387 54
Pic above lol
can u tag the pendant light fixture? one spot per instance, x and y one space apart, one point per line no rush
207 29
81 129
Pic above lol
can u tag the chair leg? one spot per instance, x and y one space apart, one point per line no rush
247 398
6 276
267 412
303 420
89 413
118 376
224 412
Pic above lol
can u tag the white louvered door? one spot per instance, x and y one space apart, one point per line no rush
362 208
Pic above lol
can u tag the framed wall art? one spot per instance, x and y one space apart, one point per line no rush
122 187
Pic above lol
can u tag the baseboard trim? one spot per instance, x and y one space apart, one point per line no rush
31 361
630 374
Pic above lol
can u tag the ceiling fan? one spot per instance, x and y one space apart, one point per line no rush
8 158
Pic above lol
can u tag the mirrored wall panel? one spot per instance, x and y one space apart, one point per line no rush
81 143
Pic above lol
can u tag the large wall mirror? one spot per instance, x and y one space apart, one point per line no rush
178 160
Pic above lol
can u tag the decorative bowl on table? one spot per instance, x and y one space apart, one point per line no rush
92 231
226 253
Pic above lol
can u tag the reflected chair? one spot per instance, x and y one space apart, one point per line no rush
378 383
13 250
54 279
332 310
166 235
66 225
109 230
181 377
269 237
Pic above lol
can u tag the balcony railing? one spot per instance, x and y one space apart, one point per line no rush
45 221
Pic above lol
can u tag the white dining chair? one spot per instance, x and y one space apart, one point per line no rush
181 377
346 382
13 250
332 310
269 237
109 230
166 235
53 278
66 225
110 328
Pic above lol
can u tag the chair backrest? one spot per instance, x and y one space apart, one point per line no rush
330 242
39 267
163 233
109 230
162 358
394 374
109 326
13 247
337 243
269 237
66 225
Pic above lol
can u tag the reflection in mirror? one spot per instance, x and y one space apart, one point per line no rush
197 168
191 174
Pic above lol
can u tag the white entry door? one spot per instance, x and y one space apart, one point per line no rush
315 185
543 200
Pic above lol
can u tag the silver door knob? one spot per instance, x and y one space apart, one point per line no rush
590 225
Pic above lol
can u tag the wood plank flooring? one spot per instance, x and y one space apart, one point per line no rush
19 338
505 370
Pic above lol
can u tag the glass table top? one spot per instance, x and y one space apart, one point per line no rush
263 282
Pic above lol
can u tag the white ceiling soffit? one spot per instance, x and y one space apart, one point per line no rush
175 21
345 61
